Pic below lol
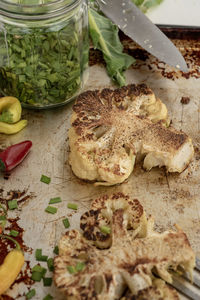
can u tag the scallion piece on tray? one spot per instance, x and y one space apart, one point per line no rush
39 269
56 250
39 256
51 209
30 294
72 206
14 233
12 204
55 200
66 223
36 276
105 229
48 297
45 179
47 281
50 264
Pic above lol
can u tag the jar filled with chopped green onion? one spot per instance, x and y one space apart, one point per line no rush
44 50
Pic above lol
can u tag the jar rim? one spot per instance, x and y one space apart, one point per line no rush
37 11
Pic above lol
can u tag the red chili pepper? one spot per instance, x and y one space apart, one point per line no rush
13 155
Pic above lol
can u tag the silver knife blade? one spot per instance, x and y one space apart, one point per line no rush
138 27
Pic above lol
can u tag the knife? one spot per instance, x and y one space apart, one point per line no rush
138 27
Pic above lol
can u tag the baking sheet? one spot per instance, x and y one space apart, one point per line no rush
170 198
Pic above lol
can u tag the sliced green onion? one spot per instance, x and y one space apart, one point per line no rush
14 233
51 209
50 264
39 269
56 250
80 266
72 206
43 258
39 256
38 253
45 179
71 269
48 297
55 200
30 294
43 272
36 276
12 204
2 218
105 229
47 281
66 223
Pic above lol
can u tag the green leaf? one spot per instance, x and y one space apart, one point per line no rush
105 38
144 5
151 3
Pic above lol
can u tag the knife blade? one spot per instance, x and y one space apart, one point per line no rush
138 27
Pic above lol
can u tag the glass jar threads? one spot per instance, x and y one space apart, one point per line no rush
43 50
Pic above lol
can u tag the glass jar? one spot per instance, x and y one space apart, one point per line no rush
44 50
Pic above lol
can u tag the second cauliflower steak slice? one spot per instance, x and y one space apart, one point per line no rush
111 127
131 256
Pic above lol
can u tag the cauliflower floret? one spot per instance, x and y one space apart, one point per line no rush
101 214
134 257
159 290
111 128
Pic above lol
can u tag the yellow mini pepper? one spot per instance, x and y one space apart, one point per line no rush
10 115
11 266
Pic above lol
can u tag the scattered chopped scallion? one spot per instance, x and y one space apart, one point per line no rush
47 281
12 204
38 253
45 179
80 266
66 223
48 297
30 294
43 258
71 269
2 218
14 233
50 264
55 200
36 276
56 250
72 206
39 269
105 229
51 209
39 256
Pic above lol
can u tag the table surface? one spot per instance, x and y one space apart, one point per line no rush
176 12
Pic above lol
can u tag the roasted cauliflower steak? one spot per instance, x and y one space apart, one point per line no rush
111 128
99 264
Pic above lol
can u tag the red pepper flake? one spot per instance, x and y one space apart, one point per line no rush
185 100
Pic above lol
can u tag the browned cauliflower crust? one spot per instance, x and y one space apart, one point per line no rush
132 255
111 128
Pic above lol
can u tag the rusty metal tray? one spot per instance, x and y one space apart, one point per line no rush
171 198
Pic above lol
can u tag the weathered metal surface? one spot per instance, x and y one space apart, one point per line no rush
170 198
